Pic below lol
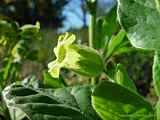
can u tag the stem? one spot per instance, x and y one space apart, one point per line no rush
94 80
92 31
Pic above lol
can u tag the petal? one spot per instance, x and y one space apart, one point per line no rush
54 69
66 39
56 51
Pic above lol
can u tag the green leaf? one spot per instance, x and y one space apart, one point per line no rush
72 103
123 50
156 72
114 102
106 26
140 19
110 24
49 81
123 79
115 42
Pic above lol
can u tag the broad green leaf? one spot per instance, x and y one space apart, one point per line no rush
82 96
71 103
140 19
114 102
156 72
122 78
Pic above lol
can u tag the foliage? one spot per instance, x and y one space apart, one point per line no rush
115 98
140 20
142 29
64 103
16 43
120 103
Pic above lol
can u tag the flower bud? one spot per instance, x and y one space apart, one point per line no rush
78 58
30 32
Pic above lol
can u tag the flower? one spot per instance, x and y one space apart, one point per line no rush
78 58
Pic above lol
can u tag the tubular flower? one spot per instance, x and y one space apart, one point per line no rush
80 59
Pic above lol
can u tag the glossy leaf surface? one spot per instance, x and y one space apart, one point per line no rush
140 19
114 102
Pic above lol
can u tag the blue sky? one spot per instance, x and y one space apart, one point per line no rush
74 15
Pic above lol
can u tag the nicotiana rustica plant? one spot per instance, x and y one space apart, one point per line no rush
115 97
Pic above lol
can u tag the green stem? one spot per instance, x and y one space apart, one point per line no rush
92 34
92 31
94 80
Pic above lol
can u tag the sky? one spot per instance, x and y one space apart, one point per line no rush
73 13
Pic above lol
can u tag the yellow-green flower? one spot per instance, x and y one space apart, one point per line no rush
78 58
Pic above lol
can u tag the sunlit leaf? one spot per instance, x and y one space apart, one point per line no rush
114 102
140 19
